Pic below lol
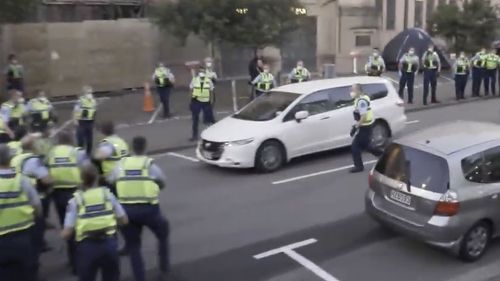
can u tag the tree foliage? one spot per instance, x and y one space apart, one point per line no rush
245 23
14 11
468 28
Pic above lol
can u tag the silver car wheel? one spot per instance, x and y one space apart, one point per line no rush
380 135
477 241
271 157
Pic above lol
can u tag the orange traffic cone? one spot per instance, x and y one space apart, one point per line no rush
148 99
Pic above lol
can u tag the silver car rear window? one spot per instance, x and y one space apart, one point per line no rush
422 169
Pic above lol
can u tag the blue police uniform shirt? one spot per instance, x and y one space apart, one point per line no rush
34 167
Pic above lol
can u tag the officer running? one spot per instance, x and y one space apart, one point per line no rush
64 161
375 65
41 112
19 206
111 150
164 80
478 71
84 116
299 73
92 217
490 72
13 111
138 182
408 67
264 82
461 74
432 68
362 130
202 88
15 145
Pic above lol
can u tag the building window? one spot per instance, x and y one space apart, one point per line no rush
390 23
430 8
419 13
363 40
379 6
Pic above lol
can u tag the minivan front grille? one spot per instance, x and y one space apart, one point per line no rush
212 150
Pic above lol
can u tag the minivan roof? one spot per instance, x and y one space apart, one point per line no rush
454 136
318 85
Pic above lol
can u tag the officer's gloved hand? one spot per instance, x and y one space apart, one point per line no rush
353 131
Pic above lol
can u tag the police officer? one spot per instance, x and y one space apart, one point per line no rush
212 75
202 88
362 130
138 182
264 82
432 68
92 217
375 65
19 205
111 149
32 166
461 71
164 80
478 64
490 72
15 145
13 111
64 160
84 116
408 67
41 112
299 73
15 74
6 134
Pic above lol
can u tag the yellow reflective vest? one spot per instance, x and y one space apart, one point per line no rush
134 184
266 82
201 89
15 148
17 111
42 107
16 213
367 118
120 150
63 166
17 164
88 108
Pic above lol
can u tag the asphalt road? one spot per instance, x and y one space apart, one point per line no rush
221 219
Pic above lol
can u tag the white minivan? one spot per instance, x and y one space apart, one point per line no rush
296 120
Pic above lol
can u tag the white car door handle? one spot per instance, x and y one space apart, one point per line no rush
324 118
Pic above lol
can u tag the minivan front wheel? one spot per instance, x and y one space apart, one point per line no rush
270 157
380 135
475 242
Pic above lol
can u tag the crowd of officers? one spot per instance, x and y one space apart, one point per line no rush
483 67
95 192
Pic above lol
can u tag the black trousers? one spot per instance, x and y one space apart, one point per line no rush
477 78
164 94
407 80
196 108
85 135
490 79
460 84
362 142
430 79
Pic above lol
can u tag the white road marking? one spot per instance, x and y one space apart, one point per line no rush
412 122
74 101
192 159
289 251
155 114
447 78
320 173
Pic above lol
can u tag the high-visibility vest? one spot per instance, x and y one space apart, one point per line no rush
410 63
95 213
16 213
462 66
368 117
266 81
120 150
375 64
201 92
430 60
300 74
41 106
2 126
17 111
43 146
491 61
16 71
15 148
480 60
161 74
134 184
17 164
88 107
63 166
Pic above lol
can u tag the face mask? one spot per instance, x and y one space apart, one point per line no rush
353 95
411 53
266 70
375 55
209 64
430 49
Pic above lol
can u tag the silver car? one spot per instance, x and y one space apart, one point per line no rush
441 185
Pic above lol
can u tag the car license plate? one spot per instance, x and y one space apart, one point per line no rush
208 155
400 197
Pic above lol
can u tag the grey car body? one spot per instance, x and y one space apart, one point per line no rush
441 185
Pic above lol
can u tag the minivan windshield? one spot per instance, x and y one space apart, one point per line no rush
422 169
267 106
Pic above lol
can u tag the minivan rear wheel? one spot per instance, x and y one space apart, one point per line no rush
270 157
380 135
475 242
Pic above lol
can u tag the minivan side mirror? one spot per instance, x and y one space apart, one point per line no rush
301 115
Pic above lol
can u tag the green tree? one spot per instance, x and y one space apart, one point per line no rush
14 11
246 23
466 29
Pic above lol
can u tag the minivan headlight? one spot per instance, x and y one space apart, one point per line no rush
240 142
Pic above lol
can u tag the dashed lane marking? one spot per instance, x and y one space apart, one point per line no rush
412 122
178 155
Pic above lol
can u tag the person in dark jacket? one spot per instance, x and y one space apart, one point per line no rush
255 67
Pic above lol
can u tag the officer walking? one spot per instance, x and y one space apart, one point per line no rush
478 71
15 74
490 72
19 205
299 73
362 130
264 82
408 67
138 182
92 217
375 65
15 145
111 149
41 112
84 116
13 111
461 71
164 80
432 68
202 88
64 161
